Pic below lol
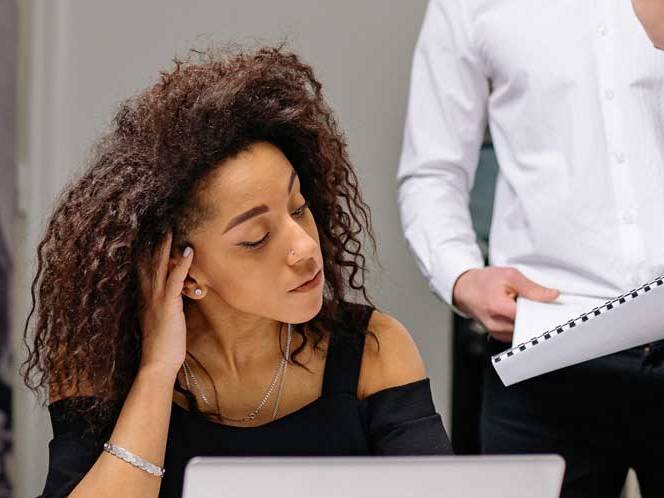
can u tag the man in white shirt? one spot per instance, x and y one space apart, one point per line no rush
573 94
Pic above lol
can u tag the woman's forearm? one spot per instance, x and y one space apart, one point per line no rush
142 429
651 15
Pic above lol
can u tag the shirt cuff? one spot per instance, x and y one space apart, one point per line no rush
442 280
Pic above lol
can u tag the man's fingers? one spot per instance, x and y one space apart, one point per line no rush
503 309
500 326
531 290
502 336
178 274
501 329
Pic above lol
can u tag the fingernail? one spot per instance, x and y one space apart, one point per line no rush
187 252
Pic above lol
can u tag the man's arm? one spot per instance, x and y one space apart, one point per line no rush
444 131
445 126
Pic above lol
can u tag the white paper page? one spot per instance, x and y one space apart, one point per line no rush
637 321
534 318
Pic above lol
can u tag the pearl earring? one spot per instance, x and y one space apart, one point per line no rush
198 292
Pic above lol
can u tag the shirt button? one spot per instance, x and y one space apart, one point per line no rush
602 30
620 157
609 94
628 217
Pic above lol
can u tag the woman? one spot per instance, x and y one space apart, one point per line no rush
193 290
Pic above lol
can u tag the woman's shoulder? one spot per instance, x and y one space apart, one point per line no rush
79 411
391 357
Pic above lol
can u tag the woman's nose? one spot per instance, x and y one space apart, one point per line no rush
302 245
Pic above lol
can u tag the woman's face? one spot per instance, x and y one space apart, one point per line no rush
259 250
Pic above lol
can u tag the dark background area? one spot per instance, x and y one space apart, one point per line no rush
469 338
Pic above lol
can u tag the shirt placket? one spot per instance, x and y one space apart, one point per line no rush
618 165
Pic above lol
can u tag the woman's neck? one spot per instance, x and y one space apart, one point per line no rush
230 342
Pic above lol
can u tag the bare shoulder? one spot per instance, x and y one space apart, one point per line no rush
390 358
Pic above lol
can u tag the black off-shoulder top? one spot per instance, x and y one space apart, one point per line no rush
396 421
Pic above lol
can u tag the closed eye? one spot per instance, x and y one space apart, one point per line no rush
253 245
299 212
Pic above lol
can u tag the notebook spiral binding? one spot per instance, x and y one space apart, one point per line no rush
595 312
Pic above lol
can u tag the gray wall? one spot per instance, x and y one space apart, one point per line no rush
8 99
83 56
8 75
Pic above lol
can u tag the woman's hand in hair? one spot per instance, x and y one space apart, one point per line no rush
162 312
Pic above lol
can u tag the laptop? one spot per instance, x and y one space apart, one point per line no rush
365 477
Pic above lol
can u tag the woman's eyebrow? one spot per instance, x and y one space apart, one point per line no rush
258 210
241 218
291 181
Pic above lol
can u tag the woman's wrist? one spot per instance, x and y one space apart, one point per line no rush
157 375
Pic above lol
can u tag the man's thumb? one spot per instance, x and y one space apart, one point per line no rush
525 287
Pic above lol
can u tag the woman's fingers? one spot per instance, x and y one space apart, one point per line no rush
161 263
178 274
144 276
153 270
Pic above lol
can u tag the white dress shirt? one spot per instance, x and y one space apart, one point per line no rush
573 93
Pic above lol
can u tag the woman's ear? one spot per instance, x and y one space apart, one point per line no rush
192 288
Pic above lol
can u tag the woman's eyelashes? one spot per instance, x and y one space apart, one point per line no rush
298 213
254 245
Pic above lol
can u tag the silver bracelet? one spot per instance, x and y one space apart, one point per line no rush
134 460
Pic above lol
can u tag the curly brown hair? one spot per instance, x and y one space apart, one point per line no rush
139 184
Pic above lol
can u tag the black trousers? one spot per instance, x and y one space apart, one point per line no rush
602 416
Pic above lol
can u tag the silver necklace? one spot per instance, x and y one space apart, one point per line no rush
189 373
280 373
275 411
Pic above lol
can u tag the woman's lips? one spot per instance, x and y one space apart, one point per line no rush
311 284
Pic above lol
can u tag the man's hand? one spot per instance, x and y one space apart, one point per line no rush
489 296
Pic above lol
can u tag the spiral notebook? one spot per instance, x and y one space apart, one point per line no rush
629 320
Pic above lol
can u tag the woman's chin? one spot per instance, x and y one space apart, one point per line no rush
305 311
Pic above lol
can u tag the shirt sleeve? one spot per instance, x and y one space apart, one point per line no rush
445 126
403 421
75 446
